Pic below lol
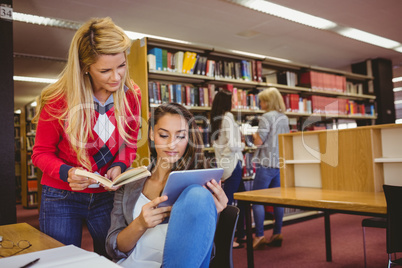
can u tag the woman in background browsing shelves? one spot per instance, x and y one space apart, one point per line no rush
226 140
137 236
89 120
266 157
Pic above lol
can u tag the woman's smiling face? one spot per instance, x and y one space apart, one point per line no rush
107 72
170 135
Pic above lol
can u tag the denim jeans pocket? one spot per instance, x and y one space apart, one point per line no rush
53 194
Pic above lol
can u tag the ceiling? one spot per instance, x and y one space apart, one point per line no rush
41 51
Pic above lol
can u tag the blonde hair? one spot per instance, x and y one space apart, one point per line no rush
98 36
273 98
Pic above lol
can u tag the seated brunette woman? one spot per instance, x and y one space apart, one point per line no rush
138 236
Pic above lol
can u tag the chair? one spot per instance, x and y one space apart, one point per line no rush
224 236
393 196
374 222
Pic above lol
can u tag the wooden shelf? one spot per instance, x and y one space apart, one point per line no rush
302 161
211 149
358 159
190 77
388 160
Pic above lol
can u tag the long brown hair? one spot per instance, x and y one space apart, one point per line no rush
193 157
222 103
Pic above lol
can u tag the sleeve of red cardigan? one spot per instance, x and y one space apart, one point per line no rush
128 151
48 133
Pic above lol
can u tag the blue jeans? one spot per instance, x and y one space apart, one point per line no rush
232 185
266 178
191 229
62 214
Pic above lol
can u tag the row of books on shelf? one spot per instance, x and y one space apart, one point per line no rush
16 120
32 185
160 92
30 142
30 112
187 62
239 70
315 80
326 105
32 199
30 128
202 96
242 98
31 170
288 78
323 81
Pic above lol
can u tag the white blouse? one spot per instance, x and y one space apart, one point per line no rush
228 147
148 252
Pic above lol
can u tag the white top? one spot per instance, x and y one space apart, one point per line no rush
148 251
228 147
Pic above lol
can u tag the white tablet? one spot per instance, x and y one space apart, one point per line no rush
180 180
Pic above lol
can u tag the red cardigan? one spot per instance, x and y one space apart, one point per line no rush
53 154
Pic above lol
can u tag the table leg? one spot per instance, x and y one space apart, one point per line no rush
250 252
328 236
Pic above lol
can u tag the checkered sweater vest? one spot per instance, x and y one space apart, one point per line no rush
53 154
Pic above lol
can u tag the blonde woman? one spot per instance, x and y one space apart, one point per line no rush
266 158
88 119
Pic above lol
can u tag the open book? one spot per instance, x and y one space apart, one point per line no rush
129 175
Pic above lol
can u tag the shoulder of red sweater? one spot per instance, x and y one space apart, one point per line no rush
59 103
132 93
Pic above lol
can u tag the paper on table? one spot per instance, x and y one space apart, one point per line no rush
67 256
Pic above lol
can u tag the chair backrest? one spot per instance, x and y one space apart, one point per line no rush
224 236
393 196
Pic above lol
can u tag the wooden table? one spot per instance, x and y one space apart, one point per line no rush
24 231
328 201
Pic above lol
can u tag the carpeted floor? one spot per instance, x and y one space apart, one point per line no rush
303 244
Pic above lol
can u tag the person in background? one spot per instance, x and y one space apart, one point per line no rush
228 147
266 158
138 236
88 119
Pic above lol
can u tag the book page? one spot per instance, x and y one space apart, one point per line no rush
94 176
126 177
130 173
66 256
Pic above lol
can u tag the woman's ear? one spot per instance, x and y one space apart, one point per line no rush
151 134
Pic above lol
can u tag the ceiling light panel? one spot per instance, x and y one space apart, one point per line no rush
286 13
33 19
369 38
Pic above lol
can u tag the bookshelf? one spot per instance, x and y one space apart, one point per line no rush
359 159
328 86
333 94
150 72
30 175
17 156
